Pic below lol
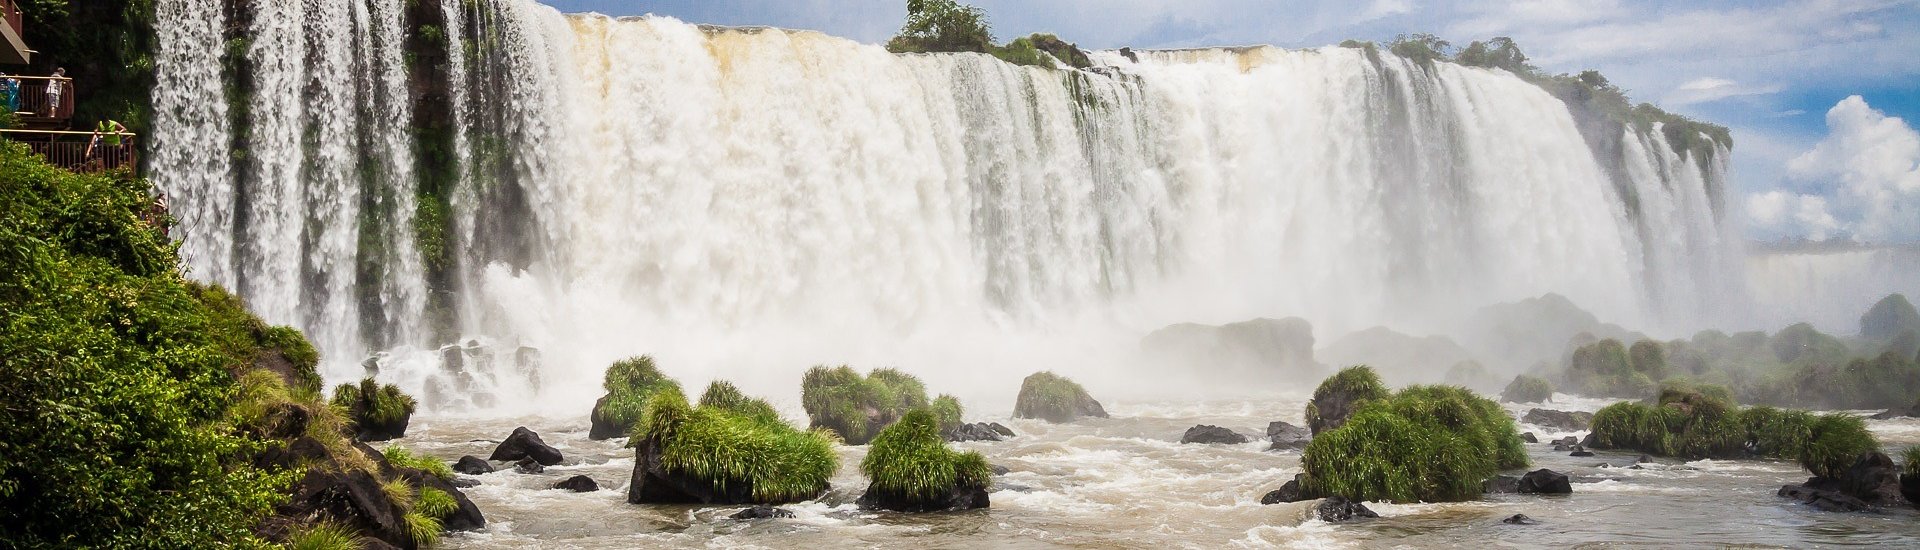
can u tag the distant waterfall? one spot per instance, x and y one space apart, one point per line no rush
753 200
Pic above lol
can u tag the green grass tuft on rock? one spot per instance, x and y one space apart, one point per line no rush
1910 461
1834 443
324 536
947 412
435 503
424 529
406 458
629 383
910 458
1527 389
724 447
856 407
1696 423
1054 398
1342 394
725 396
1424 444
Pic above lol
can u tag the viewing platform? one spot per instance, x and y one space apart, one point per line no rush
83 152
33 107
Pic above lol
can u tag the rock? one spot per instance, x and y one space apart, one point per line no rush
578 484
1645 459
1529 437
524 443
1567 441
370 543
1545 482
1829 501
1561 447
1875 479
654 484
465 517
1589 441
1128 53
1069 54
1519 519
529 466
353 499
1580 451
999 470
1604 465
1284 436
370 367
1337 509
999 429
1342 394
465 482
527 360
1910 487
473 466
960 498
1559 420
1898 412
1501 485
1053 398
978 431
1207 434
603 428
1290 492
762 512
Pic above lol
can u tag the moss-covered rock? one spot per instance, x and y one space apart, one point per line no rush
378 412
1889 317
727 450
1340 395
912 470
1527 389
629 382
1054 398
856 407
1423 444
1606 368
947 412
1069 54
1692 423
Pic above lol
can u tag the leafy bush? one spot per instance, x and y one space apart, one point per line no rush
629 383
1527 389
1022 52
1424 444
1803 343
947 412
725 448
1055 398
1420 48
1696 424
942 26
118 374
911 458
855 407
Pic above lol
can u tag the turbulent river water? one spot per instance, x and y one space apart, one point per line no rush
1127 482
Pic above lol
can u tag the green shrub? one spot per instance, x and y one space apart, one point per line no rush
370 402
947 412
1694 425
325 536
435 503
911 458
629 383
119 374
1054 398
1835 442
1022 52
1527 389
942 26
856 407
405 458
724 447
1424 444
1777 432
725 396
1803 343
1342 394
1910 461
424 529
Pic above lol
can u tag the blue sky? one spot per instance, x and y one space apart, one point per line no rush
1808 161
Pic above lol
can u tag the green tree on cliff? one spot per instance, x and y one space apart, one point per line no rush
943 26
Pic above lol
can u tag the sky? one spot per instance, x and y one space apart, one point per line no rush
1823 96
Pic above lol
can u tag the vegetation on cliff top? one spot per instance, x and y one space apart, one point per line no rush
949 26
730 440
1423 444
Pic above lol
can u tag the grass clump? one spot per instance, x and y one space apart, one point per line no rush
1834 443
629 383
379 412
725 448
1054 398
1910 461
947 412
1340 395
1694 423
1606 368
435 503
405 458
1527 389
856 407
911 464
725 396
324 536
1424 444
424 529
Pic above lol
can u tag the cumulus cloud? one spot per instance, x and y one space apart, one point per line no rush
1702 90
1782 213
1873 162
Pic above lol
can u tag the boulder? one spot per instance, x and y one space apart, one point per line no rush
578 484
1589 440
1910 488
1544 482
959 498
529 466
978 431
288 455
473 466
1208 434
353 499
654 484
1342 394
1337 509
1645 459
1558 420
465 517
762 512
999 470
1567 441
524 443
1828 501
1910 411
1529 437
1519 519
1580 451
1501 485
1053 398
1284 436
1875 479
1291 492
601 426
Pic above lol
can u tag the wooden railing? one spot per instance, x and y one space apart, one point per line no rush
84 152
28 97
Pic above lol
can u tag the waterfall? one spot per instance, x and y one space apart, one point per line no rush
189 106
747 202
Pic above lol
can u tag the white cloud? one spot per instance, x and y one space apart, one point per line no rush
1874 162
1383 8
1790 214
1702 90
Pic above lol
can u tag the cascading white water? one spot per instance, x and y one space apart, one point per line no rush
743 203
189 107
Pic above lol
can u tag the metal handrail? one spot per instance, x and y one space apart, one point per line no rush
27 95
91 154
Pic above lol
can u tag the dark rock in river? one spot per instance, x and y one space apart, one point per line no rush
1291 492
1337 509
1910 488
1645 459
1501 485
1912 411
473 466
1872 481
1566 441
578 484
998 469
957 499
353 499
1829 501
1284 436
1212 434
762 512
603 428
465 517
528 466
1559 420
653 483
1589 441
1580 451
1544 482
978 431
524 443
1519 519
1529 437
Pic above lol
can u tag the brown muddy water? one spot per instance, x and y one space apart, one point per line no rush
1126 482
